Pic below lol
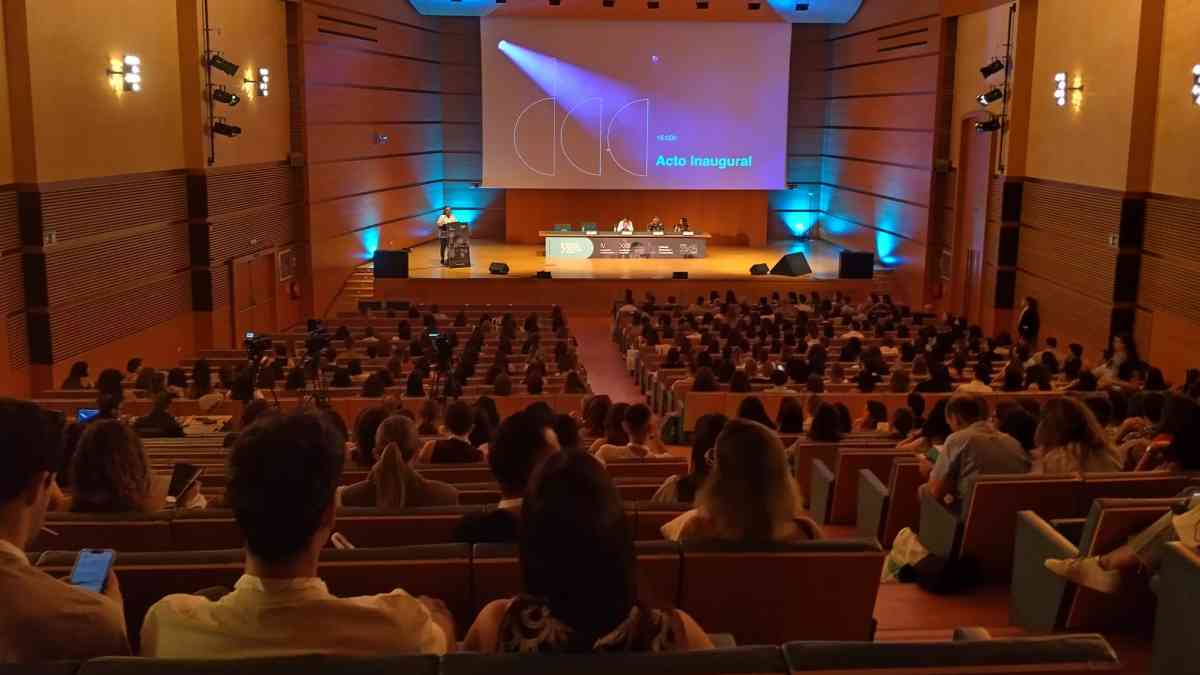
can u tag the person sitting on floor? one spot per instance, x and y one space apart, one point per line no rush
457 449
280 606
44 619
521 444
639 425
392 482
579 575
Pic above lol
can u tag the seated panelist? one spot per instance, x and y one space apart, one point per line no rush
681 226
624 226
656 225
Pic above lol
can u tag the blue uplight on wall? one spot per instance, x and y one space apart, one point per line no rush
886 244
369 239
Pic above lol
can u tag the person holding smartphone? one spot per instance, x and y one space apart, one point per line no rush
45 619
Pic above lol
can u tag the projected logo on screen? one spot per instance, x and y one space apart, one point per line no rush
574 119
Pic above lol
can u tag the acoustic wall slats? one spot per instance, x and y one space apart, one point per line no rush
1171 257
106 318
100 265
10 234
1170 285
991 249
101 208
251 209
121 243
18 341
1067 314
1082 214
1173 228
1083 267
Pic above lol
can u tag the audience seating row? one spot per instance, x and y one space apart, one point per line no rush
971 652
985 530
834 488
884 510
1045 602
216 528
761 595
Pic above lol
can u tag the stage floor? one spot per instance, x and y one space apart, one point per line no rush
526 260
591 286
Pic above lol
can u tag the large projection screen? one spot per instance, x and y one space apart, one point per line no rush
634 104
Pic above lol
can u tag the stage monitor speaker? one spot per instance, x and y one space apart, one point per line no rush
760 269
391 264
792 265
856 265
679 275
498 268
543 275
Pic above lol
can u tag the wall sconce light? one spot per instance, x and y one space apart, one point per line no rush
1061 88
1196 83
262 83
127 73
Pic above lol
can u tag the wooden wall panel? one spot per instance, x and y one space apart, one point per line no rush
1084 267
350 214
388 10
879 134
353 68
731 216
335 142
101 263
99 320
328 104
1085 214
335 179
14 354
1172 227
99 207
1068 315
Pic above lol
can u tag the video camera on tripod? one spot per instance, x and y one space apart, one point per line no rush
257 346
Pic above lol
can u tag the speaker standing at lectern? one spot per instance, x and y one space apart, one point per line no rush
443 221
624 226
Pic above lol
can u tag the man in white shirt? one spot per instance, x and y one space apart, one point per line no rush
443 228
624 226
43 618
280 606
639 424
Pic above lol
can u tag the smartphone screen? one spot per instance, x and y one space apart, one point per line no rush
182 478
91 568
86 414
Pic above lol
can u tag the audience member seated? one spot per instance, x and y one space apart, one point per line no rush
681 489
595 414
975 448
752 408
1070 440
614 428
1144 551
159 422
44 619
392 482
280 606
457 448
932 434
566 428
790 419
502 386
1176 445
1016 421
521 444
77 377
749 496
640 427
579 576
110 473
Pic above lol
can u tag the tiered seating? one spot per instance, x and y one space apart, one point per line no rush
1042 601
771 598
986 530
972 652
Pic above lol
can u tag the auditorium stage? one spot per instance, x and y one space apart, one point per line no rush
591 285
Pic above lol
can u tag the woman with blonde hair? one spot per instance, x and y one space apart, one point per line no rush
1070 440
749 495
392 482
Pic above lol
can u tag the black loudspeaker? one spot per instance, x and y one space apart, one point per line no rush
543 275
679 275
498 268
856 265
391 264
792 265
759 269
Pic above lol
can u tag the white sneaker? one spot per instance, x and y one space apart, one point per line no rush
1086 572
